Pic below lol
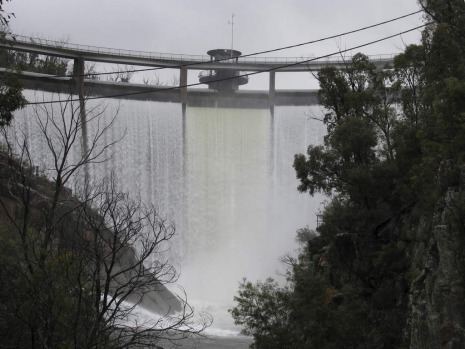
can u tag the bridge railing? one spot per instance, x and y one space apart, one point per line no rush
335 58
46 43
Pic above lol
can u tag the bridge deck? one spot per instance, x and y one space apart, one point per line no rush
169 60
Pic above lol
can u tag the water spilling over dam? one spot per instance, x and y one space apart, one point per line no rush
224 177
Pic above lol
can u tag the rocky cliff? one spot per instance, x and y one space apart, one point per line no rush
436 314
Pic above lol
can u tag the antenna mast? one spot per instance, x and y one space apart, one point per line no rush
232 33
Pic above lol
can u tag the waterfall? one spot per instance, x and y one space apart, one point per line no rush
224 177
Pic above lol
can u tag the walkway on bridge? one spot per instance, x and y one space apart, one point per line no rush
171 60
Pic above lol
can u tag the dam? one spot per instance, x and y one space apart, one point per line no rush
224 177
216 164
219 67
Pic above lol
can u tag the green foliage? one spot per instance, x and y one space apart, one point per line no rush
39 299
32 62
371 153
395 145
11 99
263 311
359 149
308 314
319 172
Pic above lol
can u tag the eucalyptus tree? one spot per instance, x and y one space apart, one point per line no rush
386 269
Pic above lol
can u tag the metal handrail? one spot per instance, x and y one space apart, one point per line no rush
173 56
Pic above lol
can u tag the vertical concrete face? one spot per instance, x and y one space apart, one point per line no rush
183 98
183 88
272 91
80 89
271 103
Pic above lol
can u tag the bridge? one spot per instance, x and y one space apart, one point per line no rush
246 63
78 84
172 60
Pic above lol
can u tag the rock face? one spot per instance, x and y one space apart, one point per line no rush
157 299
436 316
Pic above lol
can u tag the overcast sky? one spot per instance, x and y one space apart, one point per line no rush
195 26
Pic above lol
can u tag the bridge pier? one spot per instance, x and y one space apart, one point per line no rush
183 98
271 104
272 92
183 88
79 65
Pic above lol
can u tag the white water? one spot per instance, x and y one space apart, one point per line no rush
226 181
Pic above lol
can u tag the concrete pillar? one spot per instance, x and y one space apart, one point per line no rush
271 101
272 91
79 64
183 88
183 98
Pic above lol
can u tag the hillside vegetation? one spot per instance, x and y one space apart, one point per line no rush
386 268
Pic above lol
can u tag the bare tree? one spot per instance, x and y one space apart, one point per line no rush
147 80
82 265
156 81
121 239
90 71
122 74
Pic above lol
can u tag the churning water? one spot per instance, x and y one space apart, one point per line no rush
224 177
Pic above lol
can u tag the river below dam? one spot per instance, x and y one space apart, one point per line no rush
223 177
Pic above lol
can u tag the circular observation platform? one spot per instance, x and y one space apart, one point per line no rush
223 80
